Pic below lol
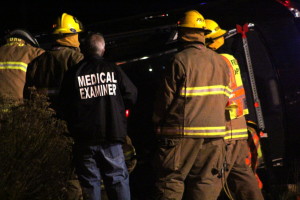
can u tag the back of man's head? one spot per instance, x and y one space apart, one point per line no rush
94 44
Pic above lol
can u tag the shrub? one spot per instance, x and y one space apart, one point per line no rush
35 155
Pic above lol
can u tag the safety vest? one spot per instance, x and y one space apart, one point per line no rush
237 105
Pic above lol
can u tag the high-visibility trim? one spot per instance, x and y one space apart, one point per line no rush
129 154
218 131
15 43
206 90
236 134
235 67
237 98
13 65
238 88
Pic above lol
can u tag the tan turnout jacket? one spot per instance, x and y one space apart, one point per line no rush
193 95
15 56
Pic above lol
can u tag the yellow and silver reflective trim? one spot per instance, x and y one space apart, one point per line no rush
236 69
236 134
234 93
238 88
129 154
206 90
217 131
14 65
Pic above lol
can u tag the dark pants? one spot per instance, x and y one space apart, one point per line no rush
240 177
102 161
189 168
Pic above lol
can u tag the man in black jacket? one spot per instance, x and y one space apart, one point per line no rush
93 99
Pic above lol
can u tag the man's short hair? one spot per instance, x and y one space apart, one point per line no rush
94 44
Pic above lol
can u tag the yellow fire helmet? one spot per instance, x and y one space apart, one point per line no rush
193 19
215 29
67 24
215 39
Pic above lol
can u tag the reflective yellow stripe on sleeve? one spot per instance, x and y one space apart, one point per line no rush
206 90
13 65
218 131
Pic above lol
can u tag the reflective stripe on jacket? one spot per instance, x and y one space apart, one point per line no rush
14 59
193 95
236 129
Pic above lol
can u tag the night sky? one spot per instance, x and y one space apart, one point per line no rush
38 16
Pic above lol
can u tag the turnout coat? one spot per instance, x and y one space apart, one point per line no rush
194 94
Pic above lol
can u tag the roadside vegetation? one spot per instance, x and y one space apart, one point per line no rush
35 153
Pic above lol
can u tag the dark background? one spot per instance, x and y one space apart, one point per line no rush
38 16
134 29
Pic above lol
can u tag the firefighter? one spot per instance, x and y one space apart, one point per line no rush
240 177
254 158
190 117
20 49
47 71
93 97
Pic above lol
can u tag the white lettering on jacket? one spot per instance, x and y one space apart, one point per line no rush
96 85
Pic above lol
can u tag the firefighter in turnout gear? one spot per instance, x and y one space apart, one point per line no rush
47 71
189 116
21 48
255 157
240 178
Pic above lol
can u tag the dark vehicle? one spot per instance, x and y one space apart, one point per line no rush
143 44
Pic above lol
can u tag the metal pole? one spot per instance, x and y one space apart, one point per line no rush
257 105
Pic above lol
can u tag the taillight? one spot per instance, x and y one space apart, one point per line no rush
127 113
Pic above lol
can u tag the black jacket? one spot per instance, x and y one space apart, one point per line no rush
93 98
